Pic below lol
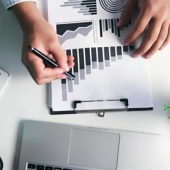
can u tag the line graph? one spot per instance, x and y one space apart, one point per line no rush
69 31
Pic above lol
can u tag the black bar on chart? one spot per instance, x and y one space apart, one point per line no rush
82 65
94 58
118 29
74 52
101 30
75 60
100 58
68 52
125 49
119 52
131 48
88 62
112 25
115 26
113 53
107 59
106 23
81 58
69 82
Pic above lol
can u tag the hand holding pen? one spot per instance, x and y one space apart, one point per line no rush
41 35
41 71
49 62
46 69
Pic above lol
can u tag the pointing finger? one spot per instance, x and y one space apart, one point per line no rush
167 40
150 38
59 55
139 27
160 40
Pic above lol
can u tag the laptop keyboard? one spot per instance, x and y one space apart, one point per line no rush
31 166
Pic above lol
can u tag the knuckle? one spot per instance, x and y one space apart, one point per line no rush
152 51
151 38
159 17
143 49
149 10
162 37
39 75
39 82
139 30
53 40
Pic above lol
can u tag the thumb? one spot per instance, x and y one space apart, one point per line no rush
59 55
127 12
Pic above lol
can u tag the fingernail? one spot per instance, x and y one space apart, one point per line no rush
147 56
60 71
126 43
135 55
63 77
162 48
67 68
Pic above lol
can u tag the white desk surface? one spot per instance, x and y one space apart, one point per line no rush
22 99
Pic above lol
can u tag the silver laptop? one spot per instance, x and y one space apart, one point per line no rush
52 146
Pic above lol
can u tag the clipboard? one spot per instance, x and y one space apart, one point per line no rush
104 67
92 106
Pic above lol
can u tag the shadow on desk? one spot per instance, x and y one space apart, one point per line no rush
10 43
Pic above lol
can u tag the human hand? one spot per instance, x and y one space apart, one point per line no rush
44 38
154 17
38 33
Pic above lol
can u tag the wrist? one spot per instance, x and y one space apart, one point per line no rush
28 15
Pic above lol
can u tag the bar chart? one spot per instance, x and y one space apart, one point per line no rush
111 25
86 7
87 59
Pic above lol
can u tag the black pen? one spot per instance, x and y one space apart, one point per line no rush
48 61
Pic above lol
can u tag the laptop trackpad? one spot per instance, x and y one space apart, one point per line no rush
95 149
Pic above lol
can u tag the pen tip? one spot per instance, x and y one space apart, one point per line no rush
30 48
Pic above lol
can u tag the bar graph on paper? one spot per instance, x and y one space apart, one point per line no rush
85 7
111 25
91 57
87 59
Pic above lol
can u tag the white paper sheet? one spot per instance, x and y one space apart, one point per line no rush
104 68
